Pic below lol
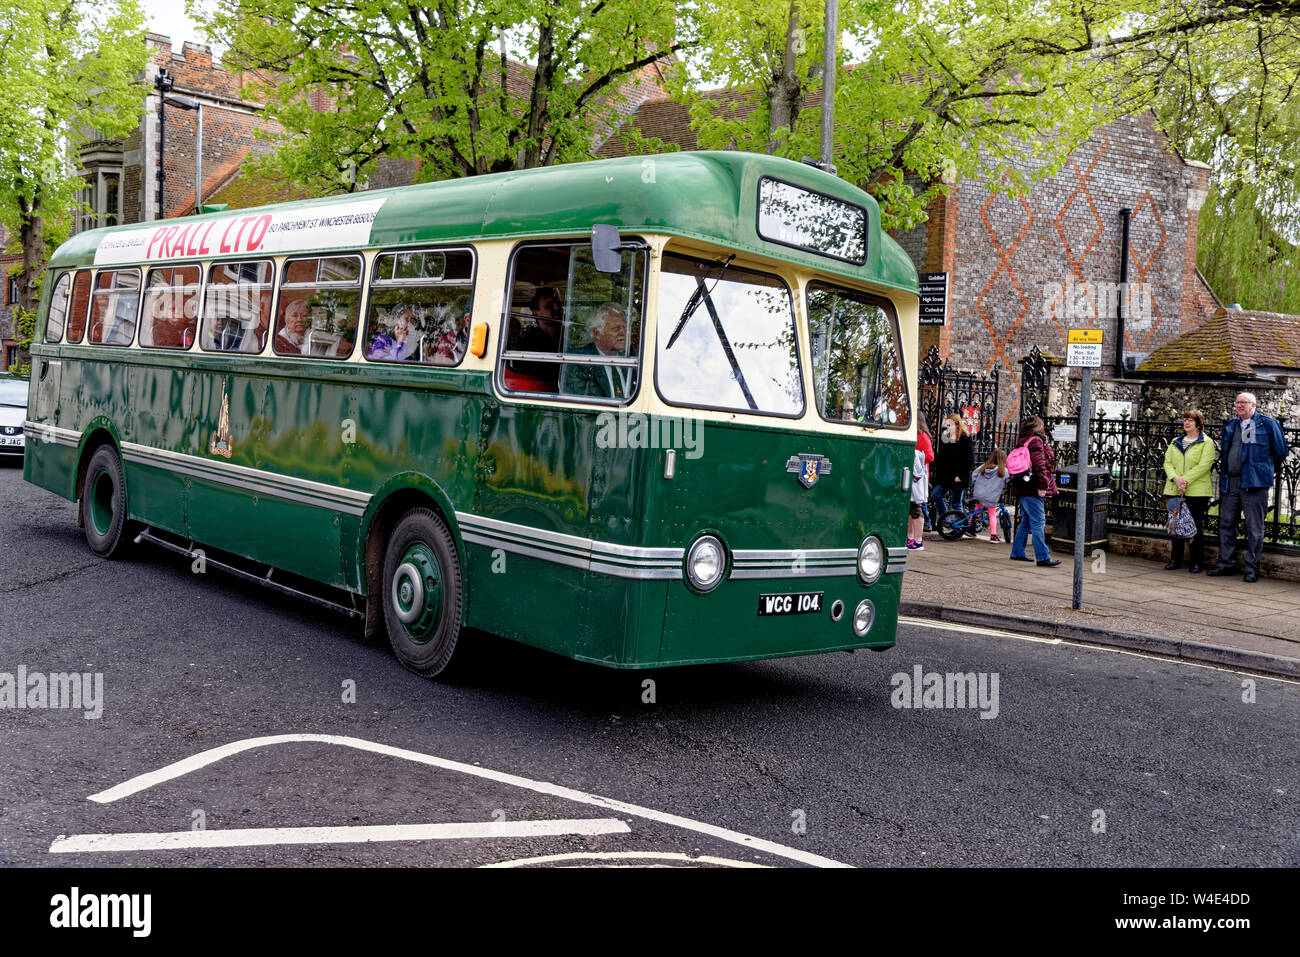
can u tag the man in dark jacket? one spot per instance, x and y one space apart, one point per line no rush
1253 444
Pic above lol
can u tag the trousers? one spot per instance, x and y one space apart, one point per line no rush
1235 503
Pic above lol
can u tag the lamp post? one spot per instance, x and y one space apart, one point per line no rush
830 58
163 83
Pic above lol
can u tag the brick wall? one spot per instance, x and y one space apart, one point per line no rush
230 125
1024 269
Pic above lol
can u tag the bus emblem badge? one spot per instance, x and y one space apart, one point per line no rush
809 468
221 444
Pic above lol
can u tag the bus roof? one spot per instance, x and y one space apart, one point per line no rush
708 196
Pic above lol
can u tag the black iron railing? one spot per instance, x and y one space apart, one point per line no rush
1134 452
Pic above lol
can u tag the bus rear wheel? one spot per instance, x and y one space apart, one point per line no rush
422 593
103 504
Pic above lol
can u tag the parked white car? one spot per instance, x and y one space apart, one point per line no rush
13 411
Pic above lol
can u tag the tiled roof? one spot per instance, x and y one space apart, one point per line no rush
1233 343
246 189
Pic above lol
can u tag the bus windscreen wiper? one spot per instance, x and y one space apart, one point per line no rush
694 301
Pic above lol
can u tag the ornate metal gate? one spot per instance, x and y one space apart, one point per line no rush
972 395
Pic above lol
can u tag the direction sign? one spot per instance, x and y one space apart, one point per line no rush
934 298
1083 348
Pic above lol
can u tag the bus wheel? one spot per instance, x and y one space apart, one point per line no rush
103 504
422 593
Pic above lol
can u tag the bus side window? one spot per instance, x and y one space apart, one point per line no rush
80 306
420 305
58 308
237 306
171 307
115 304
319 301
562 306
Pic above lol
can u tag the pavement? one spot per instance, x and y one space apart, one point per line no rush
1127 602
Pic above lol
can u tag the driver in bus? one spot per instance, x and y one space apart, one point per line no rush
608 327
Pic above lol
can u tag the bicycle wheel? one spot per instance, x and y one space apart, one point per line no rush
952 525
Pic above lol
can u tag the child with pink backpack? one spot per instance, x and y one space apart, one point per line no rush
986 485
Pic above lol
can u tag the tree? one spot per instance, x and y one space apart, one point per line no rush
462 87
1228 93
929 88
935 88
67 68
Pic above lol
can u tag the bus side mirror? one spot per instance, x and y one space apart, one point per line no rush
606 245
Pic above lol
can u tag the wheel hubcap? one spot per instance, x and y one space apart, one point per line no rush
416 593
103 503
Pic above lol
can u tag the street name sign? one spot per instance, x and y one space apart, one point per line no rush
934 298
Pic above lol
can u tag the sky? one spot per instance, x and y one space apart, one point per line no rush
168 18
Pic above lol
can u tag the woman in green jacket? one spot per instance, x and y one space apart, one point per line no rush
1188 462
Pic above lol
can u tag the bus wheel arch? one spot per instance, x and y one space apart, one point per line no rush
388 506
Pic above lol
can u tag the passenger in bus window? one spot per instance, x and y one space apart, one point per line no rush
453 342
293 328
536 328
229 334
608 328
540 323
397 344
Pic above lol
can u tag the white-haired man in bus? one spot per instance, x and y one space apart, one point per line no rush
608 327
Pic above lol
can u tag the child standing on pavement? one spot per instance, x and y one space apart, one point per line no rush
921 459
987 483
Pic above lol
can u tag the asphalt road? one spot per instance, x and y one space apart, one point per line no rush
1094 757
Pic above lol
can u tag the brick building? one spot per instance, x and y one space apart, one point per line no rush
122 176
11 357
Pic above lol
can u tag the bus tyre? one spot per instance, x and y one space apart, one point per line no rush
951 525
103 504
422 593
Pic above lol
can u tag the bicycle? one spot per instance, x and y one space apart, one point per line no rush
956 522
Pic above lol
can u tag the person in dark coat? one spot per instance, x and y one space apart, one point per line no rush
1253 446
1031 490
953 462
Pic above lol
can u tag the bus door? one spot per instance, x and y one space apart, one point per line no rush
550 483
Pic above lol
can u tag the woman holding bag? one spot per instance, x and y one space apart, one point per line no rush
1188 462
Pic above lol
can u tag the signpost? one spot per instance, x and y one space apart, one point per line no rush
1083 351
934 298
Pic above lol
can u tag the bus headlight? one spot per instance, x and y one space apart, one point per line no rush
871 559
863 616
705 562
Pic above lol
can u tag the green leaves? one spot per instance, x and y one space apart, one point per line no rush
444 84
68 73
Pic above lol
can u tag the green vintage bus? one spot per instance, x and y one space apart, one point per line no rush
641 412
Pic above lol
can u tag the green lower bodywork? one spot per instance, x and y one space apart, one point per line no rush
442 439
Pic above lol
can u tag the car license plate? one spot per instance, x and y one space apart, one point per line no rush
791 603
14 440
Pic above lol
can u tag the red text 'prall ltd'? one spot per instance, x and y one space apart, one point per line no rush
243 234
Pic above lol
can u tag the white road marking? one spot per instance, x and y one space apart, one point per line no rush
976 629
625 856
204 758
259 836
